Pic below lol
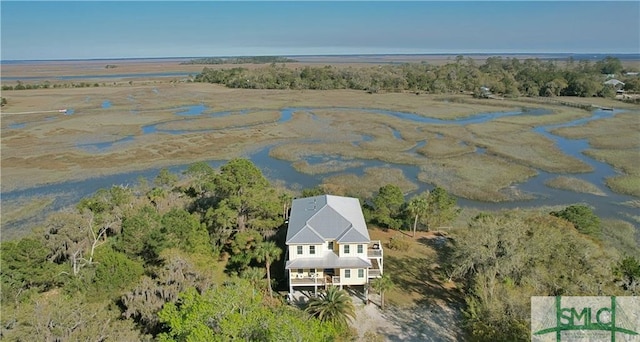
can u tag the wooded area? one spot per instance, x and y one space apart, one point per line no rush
186 257
507 77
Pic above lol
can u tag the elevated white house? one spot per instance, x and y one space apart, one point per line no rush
329 245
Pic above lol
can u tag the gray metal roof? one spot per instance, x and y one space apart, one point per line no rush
328 260
326 218
614 82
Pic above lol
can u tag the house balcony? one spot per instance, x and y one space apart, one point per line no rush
375 273
315 281
376 270
375 249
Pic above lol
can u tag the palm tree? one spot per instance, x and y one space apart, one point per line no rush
255 276
417 206
268 251
382 285
333 306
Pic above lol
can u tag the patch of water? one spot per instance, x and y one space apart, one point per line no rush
192 110
420 144
17 125
105 145
396 134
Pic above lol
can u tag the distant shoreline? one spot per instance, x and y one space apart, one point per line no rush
351 57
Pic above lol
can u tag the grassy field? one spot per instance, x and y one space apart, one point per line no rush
418 270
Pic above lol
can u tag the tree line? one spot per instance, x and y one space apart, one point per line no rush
240 60
195 257
129 263
508 77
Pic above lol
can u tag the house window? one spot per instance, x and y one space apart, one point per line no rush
360 273
330 245
359 249
346 249
347 273
299 250
312 249
300 271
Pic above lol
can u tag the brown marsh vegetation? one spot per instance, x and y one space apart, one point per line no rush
477 161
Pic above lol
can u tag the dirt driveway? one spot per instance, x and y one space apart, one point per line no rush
428 322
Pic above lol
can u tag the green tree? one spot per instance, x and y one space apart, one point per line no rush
255 276
268 251
233 312
387 204
609 65
627 273
382 285
163 284
60 317
242 248
184 231
582 217
166 179
114 273
506 258
201 177
417 207
25 266
241 187
442 208
315 191
333 305
137 228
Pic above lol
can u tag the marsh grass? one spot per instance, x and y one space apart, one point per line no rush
22 210
627 161
366 185
574 184
600 133
477 176
526 148
46 151
628 185
328 166
231 121
445 147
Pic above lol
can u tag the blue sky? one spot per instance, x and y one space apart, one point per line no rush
119 29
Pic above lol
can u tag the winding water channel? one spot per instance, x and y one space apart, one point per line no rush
609 205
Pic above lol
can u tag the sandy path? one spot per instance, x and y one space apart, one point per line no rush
425 322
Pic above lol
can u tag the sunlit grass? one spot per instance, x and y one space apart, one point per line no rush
600 132
574 184
627 161
628 185
519 144
20 210
366 185
477 176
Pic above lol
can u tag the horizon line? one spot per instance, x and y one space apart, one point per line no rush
332 55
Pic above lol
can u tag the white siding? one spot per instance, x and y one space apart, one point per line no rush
319 250
353 250
353 279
